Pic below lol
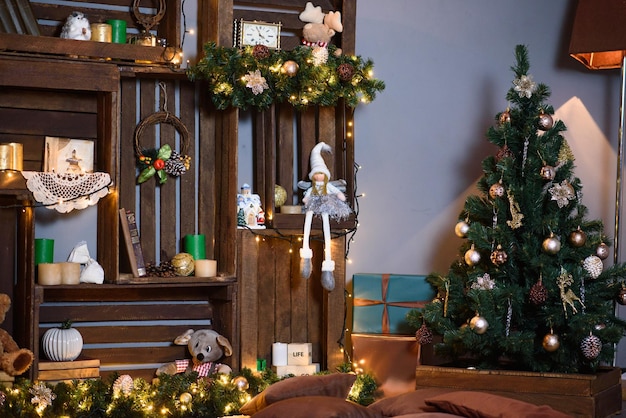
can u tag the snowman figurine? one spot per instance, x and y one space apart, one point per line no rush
76 27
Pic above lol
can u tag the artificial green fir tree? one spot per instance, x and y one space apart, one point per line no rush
530 290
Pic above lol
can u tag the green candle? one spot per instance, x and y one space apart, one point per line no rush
195 245
44 250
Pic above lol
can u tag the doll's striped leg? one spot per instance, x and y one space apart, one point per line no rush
305 252
328 265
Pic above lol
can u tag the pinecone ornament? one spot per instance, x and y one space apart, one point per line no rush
345 71
424 335
260 52
593 265
591 347
123 385
176 165
504 152
538 293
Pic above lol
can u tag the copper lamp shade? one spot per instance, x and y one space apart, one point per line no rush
599 33
599 42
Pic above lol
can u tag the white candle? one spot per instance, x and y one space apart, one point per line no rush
70 273
279 354
206 268
49 274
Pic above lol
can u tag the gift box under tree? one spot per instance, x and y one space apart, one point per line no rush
381 302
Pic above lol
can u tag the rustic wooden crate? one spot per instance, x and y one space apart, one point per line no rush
579 395
57 371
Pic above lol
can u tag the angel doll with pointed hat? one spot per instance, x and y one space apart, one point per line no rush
326 199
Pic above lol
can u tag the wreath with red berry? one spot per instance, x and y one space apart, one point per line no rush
162 161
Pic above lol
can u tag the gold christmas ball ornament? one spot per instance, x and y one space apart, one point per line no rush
593 265
499 256
578 238
185 398
545 121
461 229
505 117
280 195
602 251
496 190
183 264
290 68
472 257
241 383
478 324
551 245
547 172
551 342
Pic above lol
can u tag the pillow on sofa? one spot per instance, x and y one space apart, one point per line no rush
336 385
407 403
486 405
316 407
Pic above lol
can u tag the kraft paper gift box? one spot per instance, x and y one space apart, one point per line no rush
381 302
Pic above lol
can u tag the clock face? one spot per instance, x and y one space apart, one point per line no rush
255 33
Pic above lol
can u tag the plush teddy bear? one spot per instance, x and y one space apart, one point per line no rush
320 27
13 360
206 348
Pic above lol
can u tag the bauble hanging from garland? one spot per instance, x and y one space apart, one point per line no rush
545 121
478 324
551 342
290 68
461 229
472 257
602 251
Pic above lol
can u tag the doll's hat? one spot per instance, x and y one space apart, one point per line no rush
317 162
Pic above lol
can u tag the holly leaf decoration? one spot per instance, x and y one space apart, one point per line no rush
146 174
162 175
165 152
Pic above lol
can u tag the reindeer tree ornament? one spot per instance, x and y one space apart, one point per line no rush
325 199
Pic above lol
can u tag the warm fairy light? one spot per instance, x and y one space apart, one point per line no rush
258 239
349 134
349 260
350 123
291 251
164 411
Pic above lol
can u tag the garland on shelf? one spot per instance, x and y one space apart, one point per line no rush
179 395
258 77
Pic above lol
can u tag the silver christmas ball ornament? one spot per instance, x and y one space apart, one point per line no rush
551 245
290 68
545 121
461 229
602 251
547 172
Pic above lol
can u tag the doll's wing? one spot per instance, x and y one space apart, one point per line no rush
304 185
340 184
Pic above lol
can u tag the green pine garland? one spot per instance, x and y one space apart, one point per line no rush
180 395
323 84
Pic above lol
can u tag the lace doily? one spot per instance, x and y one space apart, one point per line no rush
67 191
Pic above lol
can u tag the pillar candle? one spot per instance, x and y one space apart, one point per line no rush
44 250
206 268
70 273
18 155
118 27
49 274
195 245
279 354
6 157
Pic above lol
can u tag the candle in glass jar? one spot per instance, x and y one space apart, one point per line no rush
206 268
49 274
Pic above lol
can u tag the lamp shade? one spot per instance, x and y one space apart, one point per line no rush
598 38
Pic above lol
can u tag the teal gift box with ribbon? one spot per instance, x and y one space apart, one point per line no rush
381 302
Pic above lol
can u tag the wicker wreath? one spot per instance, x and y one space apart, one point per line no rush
162 161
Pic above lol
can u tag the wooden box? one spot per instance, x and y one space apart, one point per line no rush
579 395
56 371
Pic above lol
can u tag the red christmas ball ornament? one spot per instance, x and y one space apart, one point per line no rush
545 121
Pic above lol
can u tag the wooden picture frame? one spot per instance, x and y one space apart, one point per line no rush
66 155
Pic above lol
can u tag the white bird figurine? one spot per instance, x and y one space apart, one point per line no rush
76 27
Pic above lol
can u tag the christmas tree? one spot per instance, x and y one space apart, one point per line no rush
530 290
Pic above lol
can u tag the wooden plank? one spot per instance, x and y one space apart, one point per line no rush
187 182
128 117
299 289
132 334
82 373
248 310
127 312
147 212
285 150
50 123
267 304
284 329
26 72
19 98
335 308
137 355
79 363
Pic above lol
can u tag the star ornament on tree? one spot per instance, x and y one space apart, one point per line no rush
255 81
525 86
562 193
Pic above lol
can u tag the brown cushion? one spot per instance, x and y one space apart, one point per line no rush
337 385
315 407
407 403
486 405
